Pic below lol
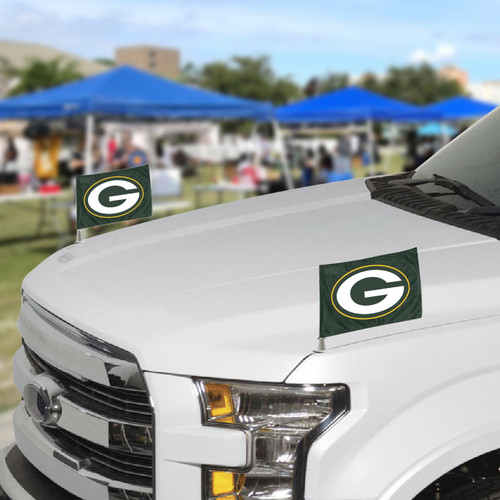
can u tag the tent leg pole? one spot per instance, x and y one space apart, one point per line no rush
255 141
386 159
371 156
152 147
444 134
392 142
286 167
89 134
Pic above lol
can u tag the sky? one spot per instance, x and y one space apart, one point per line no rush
304 38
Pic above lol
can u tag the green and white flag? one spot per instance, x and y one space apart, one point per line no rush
369 292
113 196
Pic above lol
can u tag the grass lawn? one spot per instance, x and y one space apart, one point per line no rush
21 251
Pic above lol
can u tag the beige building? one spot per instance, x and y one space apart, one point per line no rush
454 73
19 54
159 60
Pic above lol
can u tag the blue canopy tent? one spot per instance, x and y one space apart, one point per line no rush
129 92
352 104
435 128
461 108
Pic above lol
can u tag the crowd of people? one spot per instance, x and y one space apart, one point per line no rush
329 161
334 163
10 156
119 155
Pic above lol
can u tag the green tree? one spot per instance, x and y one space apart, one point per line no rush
221 77
190 73
39 74
418 85
311 88
7 72
105 61
285 90
332 82
249 77
369 81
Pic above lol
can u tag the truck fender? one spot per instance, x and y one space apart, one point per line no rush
369 455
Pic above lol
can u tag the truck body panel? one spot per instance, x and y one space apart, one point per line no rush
223 290
422 403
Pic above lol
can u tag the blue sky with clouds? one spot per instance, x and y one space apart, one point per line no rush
303 38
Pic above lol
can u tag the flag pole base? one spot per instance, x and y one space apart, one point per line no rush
321 345
80 236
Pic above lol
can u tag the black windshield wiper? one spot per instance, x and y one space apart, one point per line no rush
486 210
453 185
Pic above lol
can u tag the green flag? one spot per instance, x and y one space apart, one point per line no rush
113 196
369 292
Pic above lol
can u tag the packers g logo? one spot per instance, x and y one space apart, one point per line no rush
370 292
113 197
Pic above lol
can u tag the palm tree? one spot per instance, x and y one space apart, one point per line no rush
7 72
39 74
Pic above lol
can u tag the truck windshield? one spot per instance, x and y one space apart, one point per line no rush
473 159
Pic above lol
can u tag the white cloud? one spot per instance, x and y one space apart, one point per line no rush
308 38
443 53
198 27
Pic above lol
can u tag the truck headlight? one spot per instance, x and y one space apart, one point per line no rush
283 421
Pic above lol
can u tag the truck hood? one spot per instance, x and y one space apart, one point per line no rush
231 291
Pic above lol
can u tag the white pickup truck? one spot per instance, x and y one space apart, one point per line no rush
179 359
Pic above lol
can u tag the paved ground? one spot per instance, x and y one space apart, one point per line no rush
6 431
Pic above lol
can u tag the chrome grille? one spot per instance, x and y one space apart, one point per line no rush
105 431
127 404
115 494
114 464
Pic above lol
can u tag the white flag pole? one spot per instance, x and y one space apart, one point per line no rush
89 136
286 166
88 162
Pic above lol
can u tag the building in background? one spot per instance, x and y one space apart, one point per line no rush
160 60
19 54
488 91
455 73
